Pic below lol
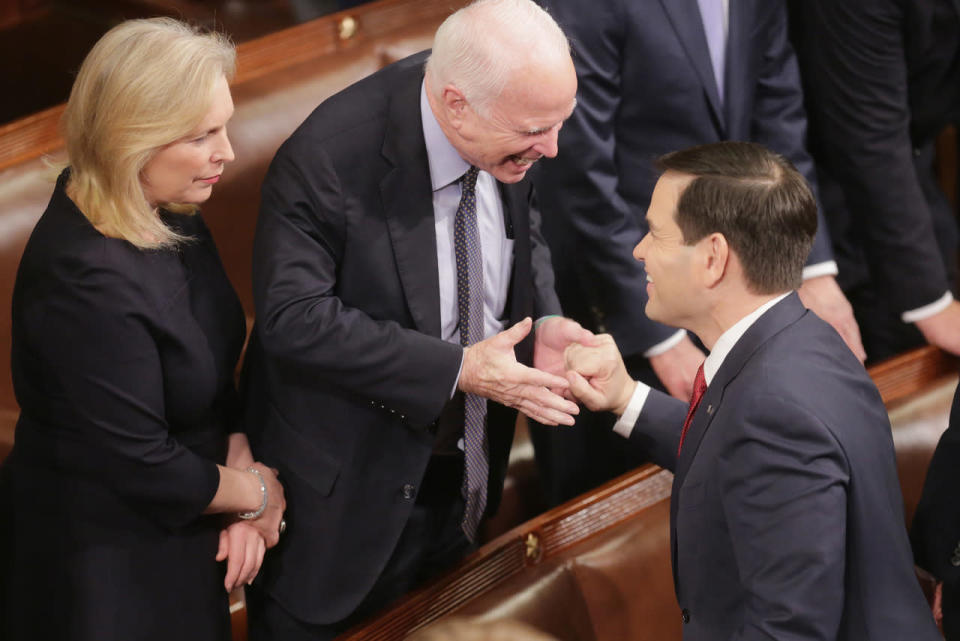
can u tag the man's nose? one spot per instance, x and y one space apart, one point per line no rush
640 250
547 145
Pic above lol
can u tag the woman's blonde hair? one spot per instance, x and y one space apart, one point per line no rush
145 84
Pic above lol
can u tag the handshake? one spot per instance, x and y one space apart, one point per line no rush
569 363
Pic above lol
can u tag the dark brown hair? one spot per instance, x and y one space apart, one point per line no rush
757 200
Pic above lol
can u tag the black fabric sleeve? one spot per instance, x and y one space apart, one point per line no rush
855 68
92 334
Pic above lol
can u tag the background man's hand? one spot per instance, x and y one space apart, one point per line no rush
823 296
598 377
943 329
677 367
490 369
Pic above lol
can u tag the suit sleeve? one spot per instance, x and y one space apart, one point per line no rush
545 300
656 434
578 189
305 326
779 120
94 335
783 486
855 68
935 533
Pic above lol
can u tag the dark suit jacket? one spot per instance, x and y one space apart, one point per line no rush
936 524
646 87
347 373
877 94
787 516
123 364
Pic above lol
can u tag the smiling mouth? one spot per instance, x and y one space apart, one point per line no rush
210 179
524 162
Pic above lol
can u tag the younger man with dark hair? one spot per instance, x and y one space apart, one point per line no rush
786 516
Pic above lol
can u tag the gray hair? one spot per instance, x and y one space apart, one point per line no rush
479 47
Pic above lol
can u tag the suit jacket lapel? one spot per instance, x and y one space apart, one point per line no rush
784 313
407 199
516 221
516 224
685 17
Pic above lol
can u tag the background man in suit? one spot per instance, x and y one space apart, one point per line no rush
786 516
882 79
936 525
396 240
655 76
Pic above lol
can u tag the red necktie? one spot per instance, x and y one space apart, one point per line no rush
699 388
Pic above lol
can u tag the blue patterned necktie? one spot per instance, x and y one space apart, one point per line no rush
466 241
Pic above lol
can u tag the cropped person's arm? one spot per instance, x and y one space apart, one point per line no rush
855 70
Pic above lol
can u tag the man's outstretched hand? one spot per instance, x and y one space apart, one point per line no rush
490 369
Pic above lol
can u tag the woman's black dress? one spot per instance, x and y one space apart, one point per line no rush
123 364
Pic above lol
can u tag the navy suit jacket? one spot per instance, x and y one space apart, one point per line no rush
346 373
787 516
646 87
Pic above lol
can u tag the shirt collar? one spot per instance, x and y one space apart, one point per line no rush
446 165
730 337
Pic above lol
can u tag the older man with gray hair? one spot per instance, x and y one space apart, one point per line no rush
398 268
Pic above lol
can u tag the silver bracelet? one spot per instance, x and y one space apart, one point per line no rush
263 503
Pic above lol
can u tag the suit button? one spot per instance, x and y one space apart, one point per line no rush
685 615
408 491
955 561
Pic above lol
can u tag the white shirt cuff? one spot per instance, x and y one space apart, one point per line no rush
456 382
827 268
666 345
624 425
934 308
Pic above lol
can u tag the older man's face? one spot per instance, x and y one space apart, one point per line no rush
521 125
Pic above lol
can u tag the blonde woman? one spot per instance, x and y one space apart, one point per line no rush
117 501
